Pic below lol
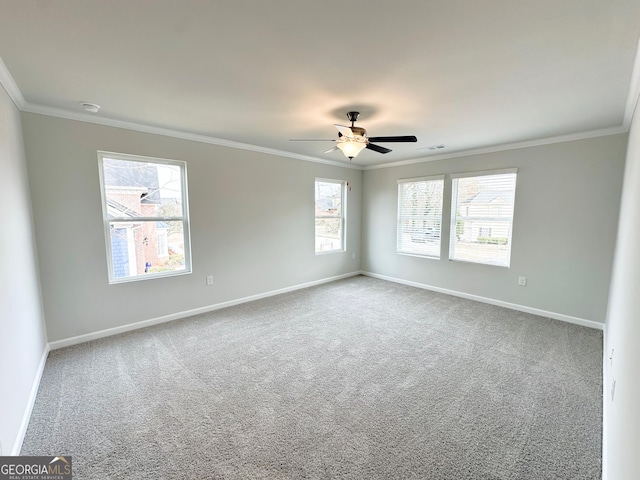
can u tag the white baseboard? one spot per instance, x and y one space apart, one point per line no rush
17 445
187 313
491 301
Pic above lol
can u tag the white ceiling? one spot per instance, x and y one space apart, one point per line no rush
465 73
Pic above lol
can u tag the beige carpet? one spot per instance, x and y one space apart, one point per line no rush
356 379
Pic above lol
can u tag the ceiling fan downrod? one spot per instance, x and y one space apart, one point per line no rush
353 117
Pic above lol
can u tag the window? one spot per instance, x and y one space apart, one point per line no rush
482 217
420 216
329 207
145 213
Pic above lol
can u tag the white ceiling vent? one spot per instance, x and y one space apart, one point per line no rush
90 107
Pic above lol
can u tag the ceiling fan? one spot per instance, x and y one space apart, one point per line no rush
352 140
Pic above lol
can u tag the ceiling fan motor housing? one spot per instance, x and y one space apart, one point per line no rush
359 132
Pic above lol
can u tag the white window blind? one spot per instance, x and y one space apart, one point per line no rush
329 215
482 217
420 216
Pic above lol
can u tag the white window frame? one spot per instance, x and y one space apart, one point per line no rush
124 220
454 217
342 216
401 217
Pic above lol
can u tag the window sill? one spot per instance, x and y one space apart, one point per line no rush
148 276
419 255
328 252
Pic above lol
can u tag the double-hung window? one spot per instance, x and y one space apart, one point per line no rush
330 207
145 215
482 217
420 216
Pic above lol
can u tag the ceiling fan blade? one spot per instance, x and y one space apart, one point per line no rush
406 138
377 148
332 149
310 140
345 131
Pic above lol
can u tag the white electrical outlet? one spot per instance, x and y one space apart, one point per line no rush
209 279
522 281
611 357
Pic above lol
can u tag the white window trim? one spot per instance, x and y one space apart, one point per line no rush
453 214
106 222
420 179
343 209
482 173
398 217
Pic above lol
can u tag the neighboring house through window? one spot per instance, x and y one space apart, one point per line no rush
482 217
145 214
163 247
330 208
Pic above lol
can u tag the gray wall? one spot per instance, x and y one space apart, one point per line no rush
22 331
622 333
252 225
565 220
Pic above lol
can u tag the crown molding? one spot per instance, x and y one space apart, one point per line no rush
7 81
167 132
507 146
10 85
634 91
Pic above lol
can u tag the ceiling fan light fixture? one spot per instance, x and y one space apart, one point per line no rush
351 148
352 140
